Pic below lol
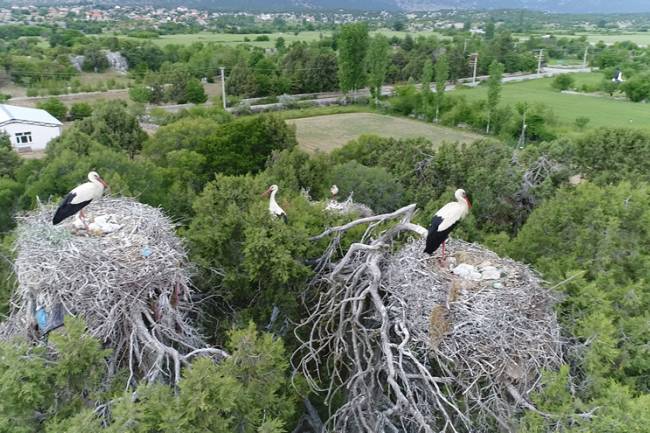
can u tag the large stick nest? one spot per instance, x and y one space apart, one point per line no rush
132 286
412 346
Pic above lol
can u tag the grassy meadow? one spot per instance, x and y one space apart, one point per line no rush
289 37
600 109
324 133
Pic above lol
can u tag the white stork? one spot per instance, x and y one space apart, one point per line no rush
334 190
445 220
80 197
274 207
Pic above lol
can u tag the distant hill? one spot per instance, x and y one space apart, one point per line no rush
558 6
561 6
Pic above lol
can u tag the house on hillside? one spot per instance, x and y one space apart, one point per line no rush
29 129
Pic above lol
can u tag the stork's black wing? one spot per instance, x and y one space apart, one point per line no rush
67 208
435 238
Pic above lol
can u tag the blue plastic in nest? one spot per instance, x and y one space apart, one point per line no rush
41 319
146 251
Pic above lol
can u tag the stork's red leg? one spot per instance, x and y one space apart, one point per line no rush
443 248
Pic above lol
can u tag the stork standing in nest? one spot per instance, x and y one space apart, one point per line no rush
79 198
274 207
445 220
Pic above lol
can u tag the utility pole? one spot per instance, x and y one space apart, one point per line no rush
540 57
223 87
474 62
584 60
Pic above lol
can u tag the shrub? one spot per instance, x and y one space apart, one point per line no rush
581 122
55 107
637 89
262 38
80 110
563 82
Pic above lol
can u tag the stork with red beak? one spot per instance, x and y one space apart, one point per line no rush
80 197
274 207
445 220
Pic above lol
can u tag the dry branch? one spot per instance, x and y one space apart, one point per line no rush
413 347
131 286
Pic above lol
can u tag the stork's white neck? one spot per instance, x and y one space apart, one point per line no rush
97 183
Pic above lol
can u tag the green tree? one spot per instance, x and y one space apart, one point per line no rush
377 64
140 93
372 186
494 91
426 94
9 159
55 107
195 92
113 126
352 43
442 75
563 82
80 110
94 59
637 88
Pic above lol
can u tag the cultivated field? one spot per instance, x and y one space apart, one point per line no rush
325 133
289 37
600 109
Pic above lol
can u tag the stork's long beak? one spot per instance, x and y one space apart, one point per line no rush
266 193
469 203
103 182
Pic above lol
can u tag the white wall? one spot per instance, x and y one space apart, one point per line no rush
41 134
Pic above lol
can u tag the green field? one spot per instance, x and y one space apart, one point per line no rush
325 133
289 37
601 110
639 38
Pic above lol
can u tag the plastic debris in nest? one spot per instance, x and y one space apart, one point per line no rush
417 346
127 275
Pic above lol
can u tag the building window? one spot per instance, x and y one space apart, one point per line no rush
23 138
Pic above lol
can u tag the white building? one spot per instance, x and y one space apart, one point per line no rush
29 129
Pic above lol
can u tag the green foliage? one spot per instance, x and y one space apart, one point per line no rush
57 390
581 122
194 92
94 59
372 186
602 233
80 110
563 82
442 75
9 159
37 388
352 42
256 255
637 88
55 107
140 93
494 90
377 64
611 155
113 126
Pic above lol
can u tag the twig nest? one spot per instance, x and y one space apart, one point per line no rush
416 346
128 276
348 206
